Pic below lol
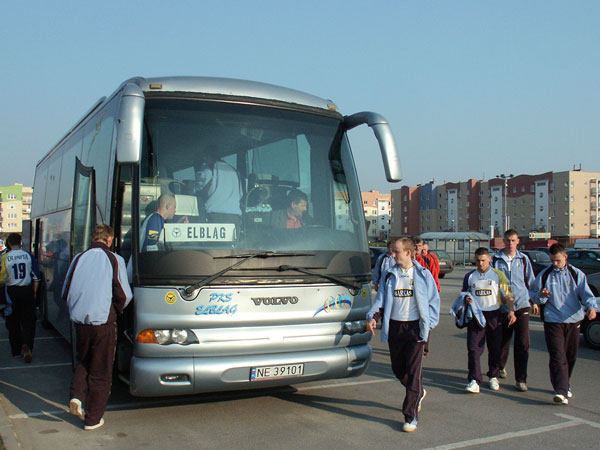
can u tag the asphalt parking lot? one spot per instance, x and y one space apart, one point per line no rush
346 413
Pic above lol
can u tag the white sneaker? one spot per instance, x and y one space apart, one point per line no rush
520 386
472 387
569 393
93 427
560 399
75 408
421 400
494 385
408 427
503 373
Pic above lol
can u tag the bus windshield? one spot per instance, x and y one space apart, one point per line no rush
242 177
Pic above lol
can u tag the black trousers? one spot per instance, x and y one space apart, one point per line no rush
21 323
562 340
477 337
406 354
521 347
93 374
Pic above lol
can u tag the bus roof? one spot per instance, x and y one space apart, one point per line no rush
232 87
212 86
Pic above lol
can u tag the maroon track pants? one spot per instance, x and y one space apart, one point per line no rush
93 374
477 337
521 348
562 340
21 323
406 354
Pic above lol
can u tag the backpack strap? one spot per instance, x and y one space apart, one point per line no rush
524 259
545 276
574 274
380 265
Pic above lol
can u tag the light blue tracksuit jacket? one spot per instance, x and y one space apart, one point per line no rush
426 294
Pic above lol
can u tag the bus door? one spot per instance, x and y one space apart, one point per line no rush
83 219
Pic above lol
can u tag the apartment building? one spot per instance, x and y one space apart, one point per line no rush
377 207
15 206
564 204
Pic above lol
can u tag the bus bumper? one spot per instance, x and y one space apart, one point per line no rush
150 377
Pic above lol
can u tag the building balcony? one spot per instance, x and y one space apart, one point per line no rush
593 191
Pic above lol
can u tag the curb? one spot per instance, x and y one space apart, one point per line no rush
9 438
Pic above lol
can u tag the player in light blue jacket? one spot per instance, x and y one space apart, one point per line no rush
517 268
565 294
408 303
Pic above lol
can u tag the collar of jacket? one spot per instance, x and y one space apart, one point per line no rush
99 244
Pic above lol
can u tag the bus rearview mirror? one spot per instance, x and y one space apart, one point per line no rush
131 122
387 144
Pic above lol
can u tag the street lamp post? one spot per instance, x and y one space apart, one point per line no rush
506 216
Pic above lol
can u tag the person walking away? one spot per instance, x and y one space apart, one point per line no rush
96 290
517 268
411 307
566 296
20 273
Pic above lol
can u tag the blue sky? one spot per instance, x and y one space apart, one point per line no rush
471 88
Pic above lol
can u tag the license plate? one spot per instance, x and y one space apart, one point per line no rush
280 371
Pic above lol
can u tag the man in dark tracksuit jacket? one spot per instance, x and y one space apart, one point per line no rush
565 294
96 290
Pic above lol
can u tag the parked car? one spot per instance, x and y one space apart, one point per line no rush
374 253
541 249
539 259
591 328
588 261
446 263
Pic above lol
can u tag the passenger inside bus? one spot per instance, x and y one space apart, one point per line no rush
218 188
151 230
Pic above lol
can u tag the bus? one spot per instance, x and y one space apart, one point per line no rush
227 297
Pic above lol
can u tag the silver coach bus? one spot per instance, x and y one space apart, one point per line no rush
227 298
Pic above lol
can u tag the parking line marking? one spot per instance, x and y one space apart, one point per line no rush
573 422
353 383
38 338
37 366
583 421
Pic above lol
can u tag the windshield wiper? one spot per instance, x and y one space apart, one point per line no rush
244 257
354 287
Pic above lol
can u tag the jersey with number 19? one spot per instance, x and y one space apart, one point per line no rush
19 268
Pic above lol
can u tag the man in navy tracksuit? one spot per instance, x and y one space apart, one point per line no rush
565 294
411 304
517 268
96 290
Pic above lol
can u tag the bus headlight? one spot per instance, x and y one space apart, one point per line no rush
162 336
167 337
179 336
